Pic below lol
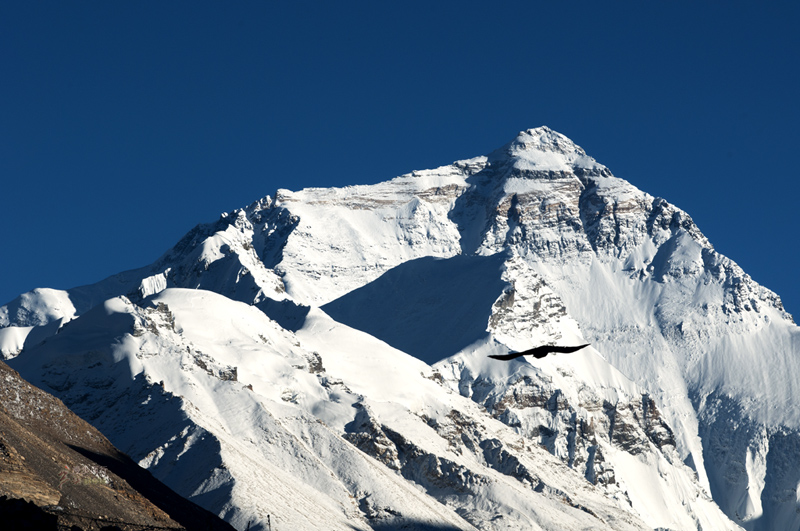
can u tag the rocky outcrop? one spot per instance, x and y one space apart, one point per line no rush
54 460
579 433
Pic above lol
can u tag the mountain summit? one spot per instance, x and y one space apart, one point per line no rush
543 149
322 357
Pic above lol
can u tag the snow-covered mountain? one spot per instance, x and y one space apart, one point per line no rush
321 357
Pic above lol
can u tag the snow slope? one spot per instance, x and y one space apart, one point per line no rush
251 420
399 290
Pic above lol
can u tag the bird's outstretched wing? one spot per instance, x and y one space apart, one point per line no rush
538 352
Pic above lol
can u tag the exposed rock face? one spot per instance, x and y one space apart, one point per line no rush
18 481
469 438
581 433
371 438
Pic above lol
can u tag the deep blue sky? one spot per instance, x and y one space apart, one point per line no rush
124 124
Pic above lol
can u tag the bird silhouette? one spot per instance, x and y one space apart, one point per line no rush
538 352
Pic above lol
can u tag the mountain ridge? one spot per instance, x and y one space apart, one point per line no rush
584 256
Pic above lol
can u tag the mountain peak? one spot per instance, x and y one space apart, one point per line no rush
543 149
543 139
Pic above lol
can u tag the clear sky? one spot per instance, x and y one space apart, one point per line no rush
124 124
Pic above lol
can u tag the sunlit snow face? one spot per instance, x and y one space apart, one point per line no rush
545 150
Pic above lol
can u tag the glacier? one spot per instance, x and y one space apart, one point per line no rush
320 356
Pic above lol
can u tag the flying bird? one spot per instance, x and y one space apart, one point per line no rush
538 352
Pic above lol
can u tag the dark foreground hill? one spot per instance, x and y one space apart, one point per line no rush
58 472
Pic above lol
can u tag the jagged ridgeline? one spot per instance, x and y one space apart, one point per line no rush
320 358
